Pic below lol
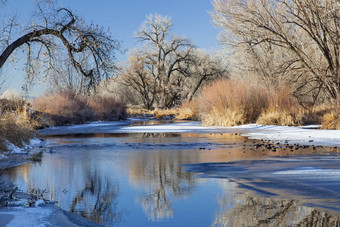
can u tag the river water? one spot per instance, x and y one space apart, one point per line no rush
162 173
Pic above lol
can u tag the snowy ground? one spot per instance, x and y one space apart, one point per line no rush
49 215
291 135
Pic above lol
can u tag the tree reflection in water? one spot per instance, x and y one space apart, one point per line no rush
97 201
247 210
163 181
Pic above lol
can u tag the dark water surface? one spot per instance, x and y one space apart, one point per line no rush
122 175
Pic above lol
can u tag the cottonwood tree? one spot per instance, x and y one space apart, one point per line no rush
167 69
166 57
303 35
204 68
56 37
141 80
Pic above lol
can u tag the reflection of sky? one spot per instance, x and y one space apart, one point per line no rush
139 179
68 171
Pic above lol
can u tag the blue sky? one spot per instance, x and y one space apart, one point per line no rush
124 17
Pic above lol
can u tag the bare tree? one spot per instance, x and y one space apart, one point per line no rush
204 68
167 69
166 56
68 79
141 80
305 33
56 36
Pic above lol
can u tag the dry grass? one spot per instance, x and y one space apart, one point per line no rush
106 108
331 120
228 103
15 129
293 116
188 111
15 124
64 107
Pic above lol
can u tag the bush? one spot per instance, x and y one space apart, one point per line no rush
331 120
229 102
15 130
106 108
65 107
62 107
189 111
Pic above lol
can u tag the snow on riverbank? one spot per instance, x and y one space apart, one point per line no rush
48 215
306 135
291 135
12 149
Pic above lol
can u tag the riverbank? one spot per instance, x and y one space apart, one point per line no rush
309 136
47 215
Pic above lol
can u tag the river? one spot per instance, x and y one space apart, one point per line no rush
165 173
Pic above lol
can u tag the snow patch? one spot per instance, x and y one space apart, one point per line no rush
37 216
39 202
288 134
185 127
19 150
312 172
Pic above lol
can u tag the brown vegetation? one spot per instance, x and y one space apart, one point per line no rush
65 107
188 111
331 120
228 102
106 108
15 125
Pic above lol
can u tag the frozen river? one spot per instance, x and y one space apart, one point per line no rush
162 173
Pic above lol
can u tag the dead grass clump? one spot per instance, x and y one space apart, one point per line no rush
61 103
282 110
293 115
277 118
15 125
235 102
106 108
62 107
331 120
134 111
65 107
188 111
12 106
14 129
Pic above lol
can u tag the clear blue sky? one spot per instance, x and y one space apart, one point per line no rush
124 17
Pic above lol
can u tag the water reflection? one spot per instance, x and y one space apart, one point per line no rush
138 179
97 200
163 180
245 209
77 182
